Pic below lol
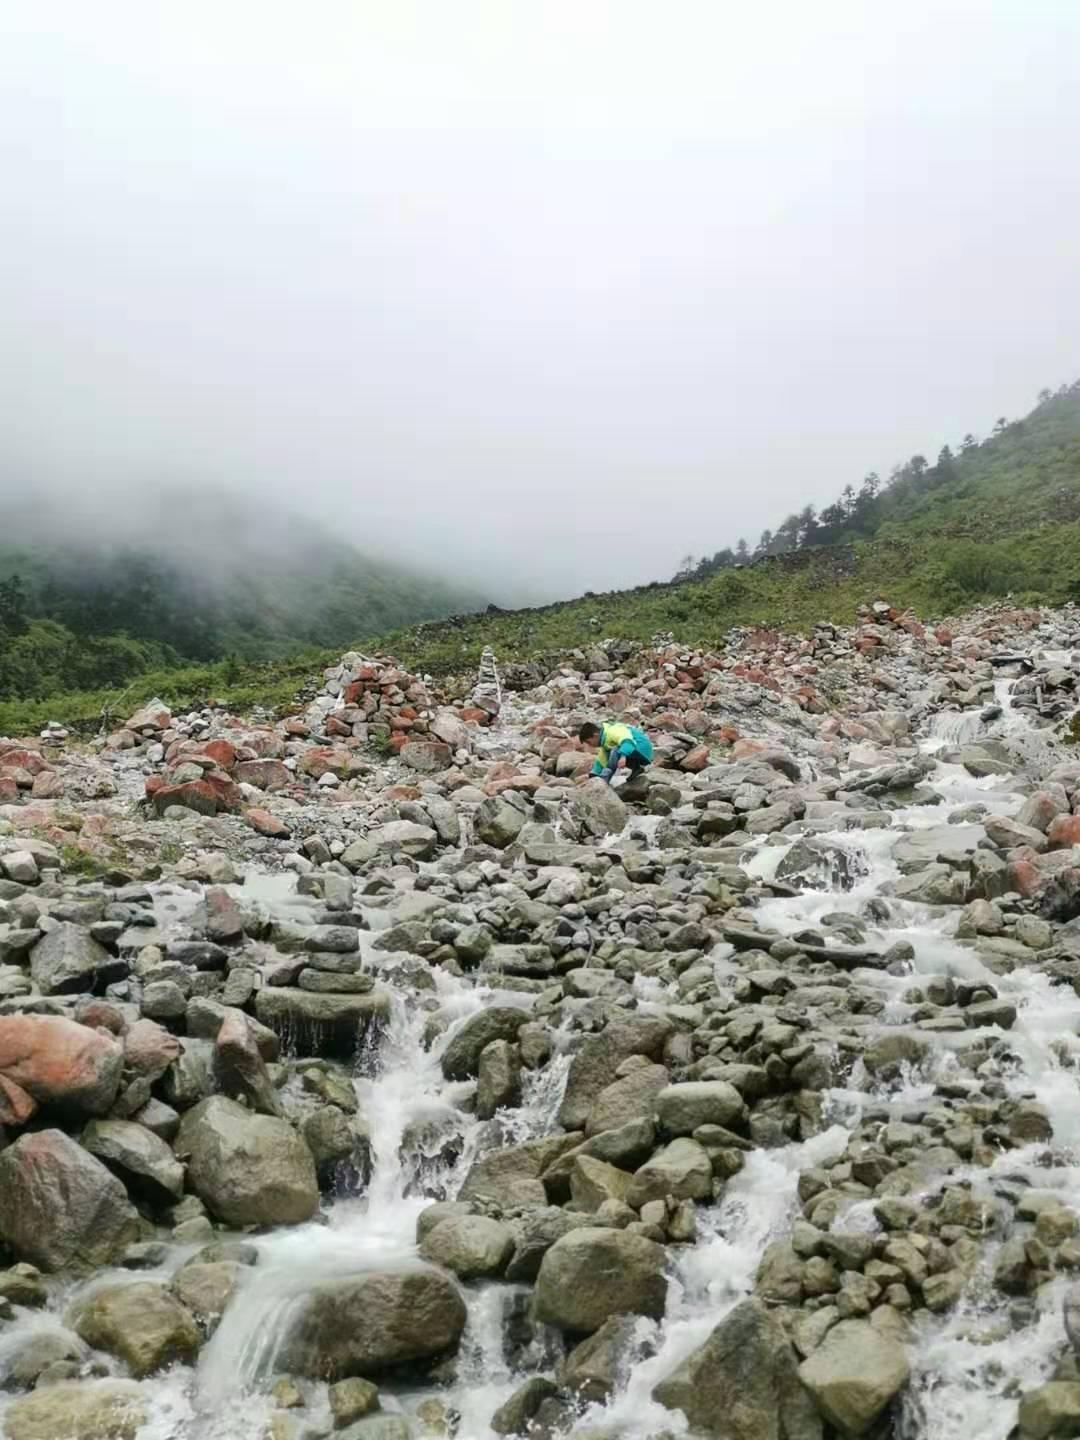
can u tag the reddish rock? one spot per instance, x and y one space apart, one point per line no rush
149 1049
228 793
20 778
269 775
403 792
324 760
697 759
944 636
222 752
60 1062
48 785
334 726
1064 832
399 740
1024 878
474 715
23 759
745 748
294 726
101 1015
9 790
16 1106
266 824
516 782
198 795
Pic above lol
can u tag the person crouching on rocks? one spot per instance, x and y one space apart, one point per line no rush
617 745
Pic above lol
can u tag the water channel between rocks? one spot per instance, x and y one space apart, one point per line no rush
969 1365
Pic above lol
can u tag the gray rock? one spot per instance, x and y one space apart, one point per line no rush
1053 1409
682 1108
682 1169
406 838
461 1058
823 865
335 1024
591 1274
142 1324
60 1207
598 809
630 1098
593 1368
469 1245
854 1375
513 1417
534 1235
67 960
742 1383
78 1410
499 1081
595 1063
370 1323
143 1161
511 1177
499 821
248 1169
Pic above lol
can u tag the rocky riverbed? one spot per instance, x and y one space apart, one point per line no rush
372 1073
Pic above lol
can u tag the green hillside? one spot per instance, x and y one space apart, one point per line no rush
996 518
215 582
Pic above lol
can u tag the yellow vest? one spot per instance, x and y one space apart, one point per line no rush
611 737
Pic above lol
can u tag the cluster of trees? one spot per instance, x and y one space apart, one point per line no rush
859 513
41 656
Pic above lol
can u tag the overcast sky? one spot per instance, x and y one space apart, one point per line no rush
545 292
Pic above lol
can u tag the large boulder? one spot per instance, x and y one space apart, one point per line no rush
461 1058
469 1245
144 1162
682 1108
428 756
596 1062
77 1410
60 1063
334 1023
631 1097
370 1323
598 809
823 865
405 837
247 1169
141 1324
68 960
510 1177
591 1274
742 1383
854 1374
499 820
61 1207
682 1169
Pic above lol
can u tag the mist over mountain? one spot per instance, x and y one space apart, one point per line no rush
94 592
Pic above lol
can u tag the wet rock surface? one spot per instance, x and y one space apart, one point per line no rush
365 1073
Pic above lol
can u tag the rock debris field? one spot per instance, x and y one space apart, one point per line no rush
374 1073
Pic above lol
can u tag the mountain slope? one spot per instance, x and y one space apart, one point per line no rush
208 580
998 518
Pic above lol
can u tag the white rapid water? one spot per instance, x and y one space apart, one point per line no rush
968 1366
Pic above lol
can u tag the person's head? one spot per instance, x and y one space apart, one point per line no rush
589 734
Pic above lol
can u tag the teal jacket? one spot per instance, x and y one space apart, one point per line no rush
616 740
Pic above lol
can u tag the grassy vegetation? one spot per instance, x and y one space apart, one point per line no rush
242 687
1001 518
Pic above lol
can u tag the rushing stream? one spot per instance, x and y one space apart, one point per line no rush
968 1366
